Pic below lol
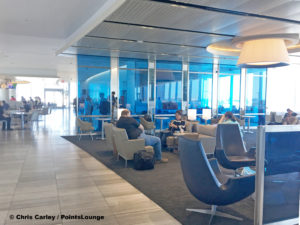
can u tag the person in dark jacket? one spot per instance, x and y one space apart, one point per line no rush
4 117
135 130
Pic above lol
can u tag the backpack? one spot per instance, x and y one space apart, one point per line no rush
143 160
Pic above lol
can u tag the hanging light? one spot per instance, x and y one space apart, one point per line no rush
263 53
258 51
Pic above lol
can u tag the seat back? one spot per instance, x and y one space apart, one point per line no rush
197 172
229 139
146 124
108 133
120 138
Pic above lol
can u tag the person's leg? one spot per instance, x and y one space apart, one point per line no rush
3 125
8 123
153 141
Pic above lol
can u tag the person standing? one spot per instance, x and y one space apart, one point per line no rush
4 117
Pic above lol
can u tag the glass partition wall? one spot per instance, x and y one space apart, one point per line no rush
162 87
229 89
93 87
133 85
200 86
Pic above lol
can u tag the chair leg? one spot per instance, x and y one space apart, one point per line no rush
79 136
91 136
213 212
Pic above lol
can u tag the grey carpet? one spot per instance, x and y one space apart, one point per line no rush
165 185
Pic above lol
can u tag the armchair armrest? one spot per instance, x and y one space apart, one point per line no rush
244 185
136 144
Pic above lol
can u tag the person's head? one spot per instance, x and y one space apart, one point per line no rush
113 93
289 111
125 113
229 116
178 115
1 103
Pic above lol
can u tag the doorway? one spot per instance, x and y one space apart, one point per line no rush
54 97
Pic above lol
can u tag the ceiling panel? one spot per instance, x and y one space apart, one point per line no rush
122 31
162 43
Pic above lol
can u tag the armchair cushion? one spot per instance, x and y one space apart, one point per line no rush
209 130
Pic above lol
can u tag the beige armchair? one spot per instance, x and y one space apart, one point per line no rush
126 148
109 137
84 127
148 126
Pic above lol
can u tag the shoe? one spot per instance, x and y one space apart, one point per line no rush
162 160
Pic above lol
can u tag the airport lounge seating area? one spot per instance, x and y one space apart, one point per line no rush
145 112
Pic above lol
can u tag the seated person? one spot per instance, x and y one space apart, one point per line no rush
290 118
4 117
178 124
135 130
228 117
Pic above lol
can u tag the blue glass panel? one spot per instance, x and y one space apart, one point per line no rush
168 65
96 61
127 63
134 90
282 176
256 93
201 67
229 89
93 87
168 92
229 69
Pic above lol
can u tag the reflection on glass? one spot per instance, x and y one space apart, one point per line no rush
168 92
256 94
282 176
200 91
133 90
133 84
229 89
93 86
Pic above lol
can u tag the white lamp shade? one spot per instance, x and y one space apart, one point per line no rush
269 52
119 113
192 114
206 114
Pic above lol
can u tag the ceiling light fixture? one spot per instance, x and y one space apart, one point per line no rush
258 51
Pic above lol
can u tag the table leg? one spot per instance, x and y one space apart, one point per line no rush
248 124
161 125
22 121
102 132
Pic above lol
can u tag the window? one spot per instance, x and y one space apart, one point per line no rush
133 85
93 85
168 87
200 86
229 89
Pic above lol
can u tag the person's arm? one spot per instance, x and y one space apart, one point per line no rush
222 119
141 127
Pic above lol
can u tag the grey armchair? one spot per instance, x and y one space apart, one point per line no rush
148 126
230 149
125 147
84 127
207 183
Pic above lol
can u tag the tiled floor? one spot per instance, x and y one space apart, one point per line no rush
43 174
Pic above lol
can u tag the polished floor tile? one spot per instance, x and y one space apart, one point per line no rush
43 174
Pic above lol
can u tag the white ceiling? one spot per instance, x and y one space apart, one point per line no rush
31 31
147 28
